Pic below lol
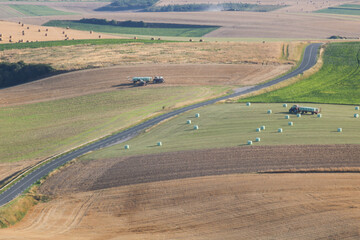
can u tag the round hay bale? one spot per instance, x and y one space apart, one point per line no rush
159 39
45 34
290 123
159 144
258 129
248 104
280 130
262 127
287 117
356 108
99 36
298 115
127 147
28 28
356 115
284 105
91 32
190 40
339 130
188 122
135 38
196 127
39 30
257 139
152 38
269 111
197 115
47 30
0 39
249 142
319 115
201 40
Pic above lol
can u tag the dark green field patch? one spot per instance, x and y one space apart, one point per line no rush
38 10
175 32
346 9
338 81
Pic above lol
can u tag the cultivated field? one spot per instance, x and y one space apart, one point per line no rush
335 82
286 206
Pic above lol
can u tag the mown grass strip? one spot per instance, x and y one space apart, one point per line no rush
336 82
38 10
174 32
9 46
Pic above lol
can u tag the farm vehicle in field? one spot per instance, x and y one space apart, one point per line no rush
300 109
143 81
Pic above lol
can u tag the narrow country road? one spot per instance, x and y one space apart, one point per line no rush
309 60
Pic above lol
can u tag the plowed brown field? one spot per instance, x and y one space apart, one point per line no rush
110 79
100 200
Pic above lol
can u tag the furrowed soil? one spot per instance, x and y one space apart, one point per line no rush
99 199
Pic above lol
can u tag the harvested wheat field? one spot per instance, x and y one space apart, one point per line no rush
94 203
15 32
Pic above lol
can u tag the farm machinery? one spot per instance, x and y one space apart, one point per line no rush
143 81
300 109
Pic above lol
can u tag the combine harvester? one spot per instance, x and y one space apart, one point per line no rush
143 81
299 109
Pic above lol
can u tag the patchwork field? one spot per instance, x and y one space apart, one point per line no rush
37 10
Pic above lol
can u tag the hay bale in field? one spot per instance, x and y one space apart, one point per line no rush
258 129
269 111
197 115
159 144
298 115
159 39
249 142
262 127
127 147
248 104
280 130
47 30
39 30
99 36
356 108
201 40
67 27
22 25
23 33
257 139
19 22
135 38
339 130
91 32
190 40
45 34
152 39
284 105
188 122
10 36
287 117
28 28
290 123
356 115
196 127
319 115
0 34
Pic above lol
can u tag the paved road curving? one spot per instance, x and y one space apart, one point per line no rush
17 189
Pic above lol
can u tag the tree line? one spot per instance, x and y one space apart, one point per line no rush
12 74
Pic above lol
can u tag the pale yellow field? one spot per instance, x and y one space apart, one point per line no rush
283 206
13 32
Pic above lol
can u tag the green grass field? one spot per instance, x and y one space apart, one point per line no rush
8 46
38 10
175 32
43 129
9 12
228 125
336 82
345 9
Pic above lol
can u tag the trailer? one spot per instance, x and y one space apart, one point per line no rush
158 79
141 81
301 109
